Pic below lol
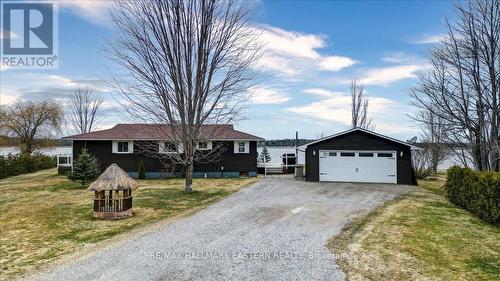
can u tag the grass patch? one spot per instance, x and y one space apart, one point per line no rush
44 216
421 236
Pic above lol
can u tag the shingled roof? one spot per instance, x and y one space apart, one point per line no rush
162 132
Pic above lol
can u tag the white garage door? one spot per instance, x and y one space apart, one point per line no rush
358 166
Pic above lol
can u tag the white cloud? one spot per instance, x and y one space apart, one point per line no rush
291 53
402 58
57 80
430 39
40 86
335 63
391 74
291 43
402 65
392 127
94 11
336 108
7 99
322 92
266 95
278 64
65 82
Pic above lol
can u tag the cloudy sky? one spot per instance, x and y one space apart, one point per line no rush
312 50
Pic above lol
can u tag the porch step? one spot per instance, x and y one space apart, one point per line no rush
274 170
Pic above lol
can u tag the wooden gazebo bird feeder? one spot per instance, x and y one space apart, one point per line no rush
113 194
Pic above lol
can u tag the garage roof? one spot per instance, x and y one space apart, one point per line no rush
413 147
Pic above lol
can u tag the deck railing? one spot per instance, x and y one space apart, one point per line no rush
112 205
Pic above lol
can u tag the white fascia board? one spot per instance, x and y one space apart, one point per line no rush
125 139
413 147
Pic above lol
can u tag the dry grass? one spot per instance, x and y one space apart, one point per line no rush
420 237
44 216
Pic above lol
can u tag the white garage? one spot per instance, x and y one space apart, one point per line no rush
358 166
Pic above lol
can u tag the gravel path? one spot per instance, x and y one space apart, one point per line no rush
273 230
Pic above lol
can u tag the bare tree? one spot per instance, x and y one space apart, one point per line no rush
188 64
462 86
359 107
84 110
434 139
30 121
421 162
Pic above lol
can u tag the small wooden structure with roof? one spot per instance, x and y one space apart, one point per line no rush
113 194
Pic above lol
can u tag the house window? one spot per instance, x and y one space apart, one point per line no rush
347 154
384 154
123 146
332 153
204 145
241 147
64 160
168 147
365 154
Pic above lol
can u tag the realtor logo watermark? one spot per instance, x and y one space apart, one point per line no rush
29 35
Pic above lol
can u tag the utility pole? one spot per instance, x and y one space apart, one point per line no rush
296 152
296 147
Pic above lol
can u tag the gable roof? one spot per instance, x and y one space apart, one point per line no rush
413 147
162 132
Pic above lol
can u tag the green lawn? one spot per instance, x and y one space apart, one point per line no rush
421 236
44 216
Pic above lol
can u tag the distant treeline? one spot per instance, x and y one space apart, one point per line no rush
10 141
284 142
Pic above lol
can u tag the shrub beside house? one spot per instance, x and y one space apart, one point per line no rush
16 164
142 171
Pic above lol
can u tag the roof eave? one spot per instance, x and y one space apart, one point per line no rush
155 139
366 131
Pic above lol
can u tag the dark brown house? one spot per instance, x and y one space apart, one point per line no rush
124 145
359 155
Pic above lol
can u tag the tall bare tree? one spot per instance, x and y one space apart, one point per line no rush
84 110
359 107
434 140
187 64
30 121
462 86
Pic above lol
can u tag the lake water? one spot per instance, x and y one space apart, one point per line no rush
275 152
451 161
50 151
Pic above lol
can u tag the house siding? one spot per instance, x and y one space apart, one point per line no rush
358 140
233 164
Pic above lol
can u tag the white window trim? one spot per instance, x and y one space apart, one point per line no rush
130 147
209 145
67 164
161 148
236 147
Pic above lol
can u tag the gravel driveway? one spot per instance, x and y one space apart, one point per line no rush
274 230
